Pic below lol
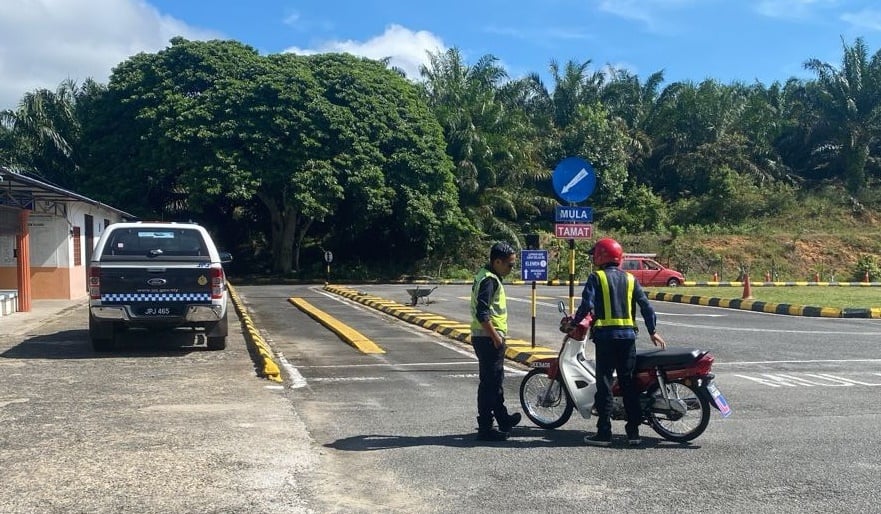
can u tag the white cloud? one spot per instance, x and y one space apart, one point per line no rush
540 34
44 42
791 9
648 12
407 50
630 9
867 19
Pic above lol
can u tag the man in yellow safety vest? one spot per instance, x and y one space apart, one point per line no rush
489 327
612 295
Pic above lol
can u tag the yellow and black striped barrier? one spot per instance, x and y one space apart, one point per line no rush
772 308
517 349
267 366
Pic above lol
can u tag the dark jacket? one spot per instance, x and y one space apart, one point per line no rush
592 302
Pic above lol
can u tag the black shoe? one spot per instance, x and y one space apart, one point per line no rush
598 440
633 439
512 421
491 435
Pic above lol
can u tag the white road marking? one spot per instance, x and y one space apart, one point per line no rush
554 305
769 330
4 403
388 364
809 361
297 380
348 379
806 380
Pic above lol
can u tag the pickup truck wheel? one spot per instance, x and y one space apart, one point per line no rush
101 335
216 343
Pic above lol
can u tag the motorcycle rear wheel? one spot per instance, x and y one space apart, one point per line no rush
544 400
675 425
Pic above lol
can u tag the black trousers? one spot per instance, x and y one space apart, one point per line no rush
490 391
618 355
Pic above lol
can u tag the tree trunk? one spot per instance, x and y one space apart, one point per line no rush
855 167
282 231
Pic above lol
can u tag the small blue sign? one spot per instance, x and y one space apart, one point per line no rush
534 264
574 214
574 179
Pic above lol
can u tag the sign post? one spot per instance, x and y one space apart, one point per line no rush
534 266
574 179
328 258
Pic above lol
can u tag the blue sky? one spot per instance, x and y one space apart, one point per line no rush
43 42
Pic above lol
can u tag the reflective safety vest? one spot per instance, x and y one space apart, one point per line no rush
498 309
615 314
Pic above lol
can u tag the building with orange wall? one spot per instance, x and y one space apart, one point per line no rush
47 235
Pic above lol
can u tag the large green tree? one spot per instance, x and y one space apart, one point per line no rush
331 139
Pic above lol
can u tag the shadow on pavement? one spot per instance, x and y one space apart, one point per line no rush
74 344
521 437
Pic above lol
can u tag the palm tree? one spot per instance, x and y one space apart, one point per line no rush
488 137
848 104
44 131
572 120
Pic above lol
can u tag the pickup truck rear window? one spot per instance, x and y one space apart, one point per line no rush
155 243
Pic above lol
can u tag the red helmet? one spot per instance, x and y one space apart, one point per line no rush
606 251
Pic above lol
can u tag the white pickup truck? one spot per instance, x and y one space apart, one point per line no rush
157 275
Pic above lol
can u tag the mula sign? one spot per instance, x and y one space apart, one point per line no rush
577 214
573 230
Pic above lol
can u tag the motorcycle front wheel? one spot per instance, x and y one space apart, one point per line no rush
544 400
684 418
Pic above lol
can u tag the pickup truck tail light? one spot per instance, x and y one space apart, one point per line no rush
217 282
94 282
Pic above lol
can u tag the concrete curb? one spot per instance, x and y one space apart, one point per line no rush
782 284
773 308
348 334
270 369
517 350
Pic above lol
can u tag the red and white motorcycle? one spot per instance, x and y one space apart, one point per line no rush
676 388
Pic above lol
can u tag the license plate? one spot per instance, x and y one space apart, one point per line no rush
156 311
719 399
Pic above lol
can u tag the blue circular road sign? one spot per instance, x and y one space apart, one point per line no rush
574 179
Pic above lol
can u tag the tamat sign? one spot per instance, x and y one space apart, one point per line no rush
573 230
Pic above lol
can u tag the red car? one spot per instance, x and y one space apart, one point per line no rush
649 272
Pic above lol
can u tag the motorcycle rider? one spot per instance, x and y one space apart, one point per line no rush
611 296
489 324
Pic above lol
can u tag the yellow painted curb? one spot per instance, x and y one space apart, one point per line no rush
517 350
346 333
260 347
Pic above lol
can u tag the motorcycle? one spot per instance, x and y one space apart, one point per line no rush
676 387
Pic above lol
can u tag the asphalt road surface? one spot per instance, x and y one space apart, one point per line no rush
399 426
163 425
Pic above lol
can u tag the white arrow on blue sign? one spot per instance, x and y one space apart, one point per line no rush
574 179
534 264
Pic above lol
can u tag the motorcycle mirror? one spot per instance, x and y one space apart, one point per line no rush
561 307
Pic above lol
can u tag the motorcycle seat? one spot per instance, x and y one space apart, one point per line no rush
666 358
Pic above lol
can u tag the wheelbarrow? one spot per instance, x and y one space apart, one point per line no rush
416 294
